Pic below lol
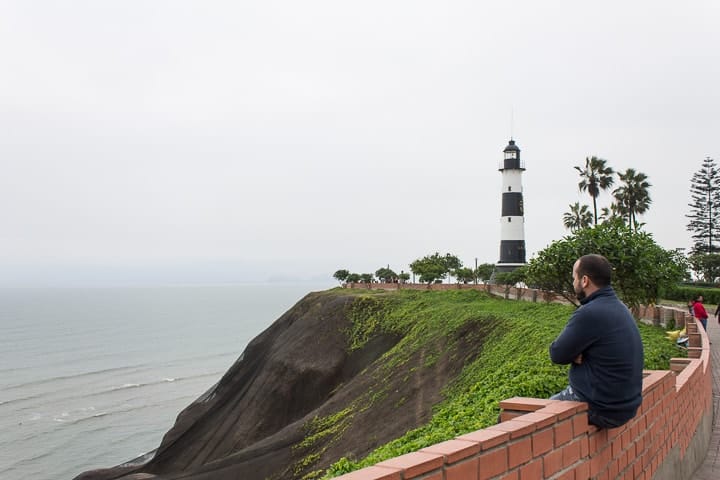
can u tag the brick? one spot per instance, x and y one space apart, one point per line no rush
584 448
524 403
516 428
599 462
507 415
541 420
571 453
582 471
373 473
580 424
564 409
594 443
552 463
563 432
486 438
637 468
542 442
519 452
622 462
462 471
532 471
510 476
614 432
415 463
613 469
454 450
493 462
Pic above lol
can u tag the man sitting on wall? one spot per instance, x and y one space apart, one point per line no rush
602 344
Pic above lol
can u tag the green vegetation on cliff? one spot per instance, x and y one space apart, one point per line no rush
510 341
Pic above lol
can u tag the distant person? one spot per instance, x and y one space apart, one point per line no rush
602 344
699 311
717 314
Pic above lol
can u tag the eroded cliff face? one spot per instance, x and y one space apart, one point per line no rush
298 399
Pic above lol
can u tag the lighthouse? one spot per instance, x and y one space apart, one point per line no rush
512 223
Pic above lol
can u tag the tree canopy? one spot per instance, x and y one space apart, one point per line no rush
341 275
435 267
705 207
633 196
594 178
484 271
641 268
578 217
385 274
464 275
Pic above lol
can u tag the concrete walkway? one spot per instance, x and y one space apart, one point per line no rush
710 469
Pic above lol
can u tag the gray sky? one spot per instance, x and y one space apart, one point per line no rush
176 141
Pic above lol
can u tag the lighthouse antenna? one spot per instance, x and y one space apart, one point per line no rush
512 121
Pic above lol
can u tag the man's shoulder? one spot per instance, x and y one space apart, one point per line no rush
603 304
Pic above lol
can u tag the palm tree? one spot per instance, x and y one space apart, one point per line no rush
578 217
595 177
613 212
633 197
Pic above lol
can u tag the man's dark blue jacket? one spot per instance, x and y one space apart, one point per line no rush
610 375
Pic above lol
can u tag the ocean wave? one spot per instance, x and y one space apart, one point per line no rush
67 421
20 399
126 386
75 376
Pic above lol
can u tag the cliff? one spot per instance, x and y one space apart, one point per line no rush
301 396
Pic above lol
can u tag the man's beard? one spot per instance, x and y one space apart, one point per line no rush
580 294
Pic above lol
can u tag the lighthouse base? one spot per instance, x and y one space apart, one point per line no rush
504 268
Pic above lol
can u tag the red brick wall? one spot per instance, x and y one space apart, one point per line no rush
550 439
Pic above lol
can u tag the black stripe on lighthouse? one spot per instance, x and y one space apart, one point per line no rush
512 204
512 251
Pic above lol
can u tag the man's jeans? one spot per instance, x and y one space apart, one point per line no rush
593 418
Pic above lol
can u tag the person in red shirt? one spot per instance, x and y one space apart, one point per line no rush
699 311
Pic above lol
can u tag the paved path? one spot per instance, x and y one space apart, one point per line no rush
710 469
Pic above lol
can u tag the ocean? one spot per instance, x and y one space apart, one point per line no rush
91 378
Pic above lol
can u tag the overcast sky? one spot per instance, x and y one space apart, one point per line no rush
190 142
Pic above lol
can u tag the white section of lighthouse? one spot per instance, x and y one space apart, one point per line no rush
512 223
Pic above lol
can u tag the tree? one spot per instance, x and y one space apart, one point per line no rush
641 268
403 277
484 271
341 275
705 265
366 277
512 279
464 275
594 178
578 217
705 207
452 263
434 267
633 197
385 274
353 278
611 213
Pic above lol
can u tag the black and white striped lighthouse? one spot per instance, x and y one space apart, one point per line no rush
512 224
